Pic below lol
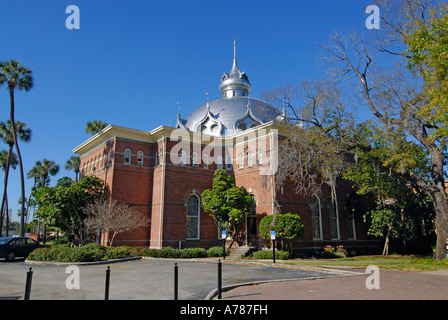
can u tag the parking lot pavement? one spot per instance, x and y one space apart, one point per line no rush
392 285
146 279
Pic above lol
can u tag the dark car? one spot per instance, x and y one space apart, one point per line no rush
12 247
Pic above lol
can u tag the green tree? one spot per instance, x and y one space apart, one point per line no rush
287 227
17 76
73 164
384 163
410 96
63 205
93 127
226 202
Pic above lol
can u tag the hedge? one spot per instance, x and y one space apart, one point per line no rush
267 254
94 252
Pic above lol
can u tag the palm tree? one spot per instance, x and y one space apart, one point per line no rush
93 127
17 76
7 160
73 164
6 135
41 173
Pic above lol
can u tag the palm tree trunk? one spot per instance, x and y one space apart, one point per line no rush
19 156
8 161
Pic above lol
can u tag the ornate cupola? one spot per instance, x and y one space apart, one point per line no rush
235 83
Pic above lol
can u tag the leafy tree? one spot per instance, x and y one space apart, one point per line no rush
226 202
409 97
400 208
287 227
93 127
62 206
16 76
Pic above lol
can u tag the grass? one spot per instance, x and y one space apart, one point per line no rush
394 262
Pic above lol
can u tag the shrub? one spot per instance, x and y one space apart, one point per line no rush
117 252
215 252
189 253
267 254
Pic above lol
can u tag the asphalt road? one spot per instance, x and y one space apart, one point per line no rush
136 280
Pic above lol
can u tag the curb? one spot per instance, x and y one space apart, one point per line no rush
54 263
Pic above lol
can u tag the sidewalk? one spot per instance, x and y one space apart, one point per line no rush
394 285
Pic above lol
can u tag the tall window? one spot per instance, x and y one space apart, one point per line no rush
183 158
334 223
127 156
219 162
229 163
140 158
193 210
241 160
316 224
249 159
350 213
260 157
156 159
195 159
206 161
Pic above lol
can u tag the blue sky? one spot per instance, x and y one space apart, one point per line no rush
131 61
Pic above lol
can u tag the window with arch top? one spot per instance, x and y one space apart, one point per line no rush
193 212
127 156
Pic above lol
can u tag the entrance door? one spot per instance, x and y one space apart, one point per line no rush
251 230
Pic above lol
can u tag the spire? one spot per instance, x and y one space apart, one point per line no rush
234 51
235 70
236 82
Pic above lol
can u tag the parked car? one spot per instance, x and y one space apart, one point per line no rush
12 247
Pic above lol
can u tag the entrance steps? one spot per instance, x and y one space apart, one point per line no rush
241 251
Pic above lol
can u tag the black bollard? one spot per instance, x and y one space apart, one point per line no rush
106 294
176 281
219 280
29 278
273 250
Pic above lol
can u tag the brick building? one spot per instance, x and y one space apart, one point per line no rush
164 171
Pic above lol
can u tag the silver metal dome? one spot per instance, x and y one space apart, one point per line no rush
234 112
226 116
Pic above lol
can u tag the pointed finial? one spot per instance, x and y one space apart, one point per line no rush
234 48
178 108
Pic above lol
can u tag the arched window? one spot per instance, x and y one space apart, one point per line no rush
219 162
193 211
260 157
183 158
249 159
195 159
316 224
156 159
241 160
229 163
334 220
206 161
127 156
140 158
